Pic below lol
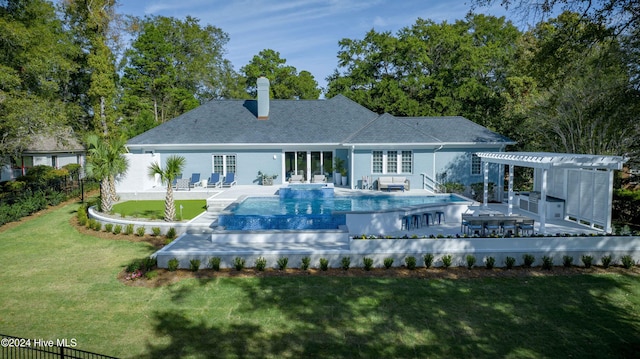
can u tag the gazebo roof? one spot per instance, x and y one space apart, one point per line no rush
558 160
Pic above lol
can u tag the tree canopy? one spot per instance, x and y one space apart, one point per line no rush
285 81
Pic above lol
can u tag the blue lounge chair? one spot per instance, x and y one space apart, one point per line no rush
229 180
195 180
214 181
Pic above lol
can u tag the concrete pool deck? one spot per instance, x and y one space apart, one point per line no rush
203 241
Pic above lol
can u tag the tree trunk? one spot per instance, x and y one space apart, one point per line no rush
105 197
169 205
113 196
103 117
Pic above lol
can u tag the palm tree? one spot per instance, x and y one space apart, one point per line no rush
104 163
174 166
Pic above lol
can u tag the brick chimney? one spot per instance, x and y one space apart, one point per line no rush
263 98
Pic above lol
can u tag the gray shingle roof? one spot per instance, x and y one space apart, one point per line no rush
337 120
54 141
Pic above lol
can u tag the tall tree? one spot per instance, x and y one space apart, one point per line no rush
173 167
35 66
585 101
285 81
172 66
92 22
430 68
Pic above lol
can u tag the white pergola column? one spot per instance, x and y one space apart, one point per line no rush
609 228
542 204
485 197
510 199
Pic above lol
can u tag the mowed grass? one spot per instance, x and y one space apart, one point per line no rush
155 209
56 283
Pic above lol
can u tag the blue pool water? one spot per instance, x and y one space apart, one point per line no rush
256 213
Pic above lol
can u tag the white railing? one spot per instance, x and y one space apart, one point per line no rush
430 184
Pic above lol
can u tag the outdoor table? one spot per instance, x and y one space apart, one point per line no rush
484 220
395 186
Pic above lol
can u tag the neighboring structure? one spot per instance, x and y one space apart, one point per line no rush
568 186
302 137
55 149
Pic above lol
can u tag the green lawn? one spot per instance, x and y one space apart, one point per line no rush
155 209
56 283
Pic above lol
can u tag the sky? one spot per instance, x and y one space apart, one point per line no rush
305 32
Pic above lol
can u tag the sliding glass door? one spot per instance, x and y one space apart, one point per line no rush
308 163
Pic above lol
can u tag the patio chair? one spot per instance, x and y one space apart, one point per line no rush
214 181
526 226
296 179
508 226
229 180
475 226
194 180
492 226
319 179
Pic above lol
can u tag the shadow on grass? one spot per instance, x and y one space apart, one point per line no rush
582 316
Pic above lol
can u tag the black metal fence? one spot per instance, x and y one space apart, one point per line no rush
19 348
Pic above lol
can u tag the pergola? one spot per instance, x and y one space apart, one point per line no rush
583 182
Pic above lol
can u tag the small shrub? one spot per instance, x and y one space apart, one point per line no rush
305 262
428 260
133 266
567 261
173 264
587 260
388 262
108 227
261 263
151 274
324 264
95 225
547 262
345 262
606 261
214 263
489 262
282 263
238 263
128 229
117 229
509 262
194 265
627 261
527 260
156 231
171 233
410 262
368 263
82 216
471 261
148 263
140 231
447 260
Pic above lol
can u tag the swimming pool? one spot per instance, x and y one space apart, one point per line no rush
257 213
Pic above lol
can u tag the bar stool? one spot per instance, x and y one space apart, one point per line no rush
406 223
416 220
440 215
427 217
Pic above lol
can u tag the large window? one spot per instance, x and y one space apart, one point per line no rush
224 164
476 165
391 162
378 161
